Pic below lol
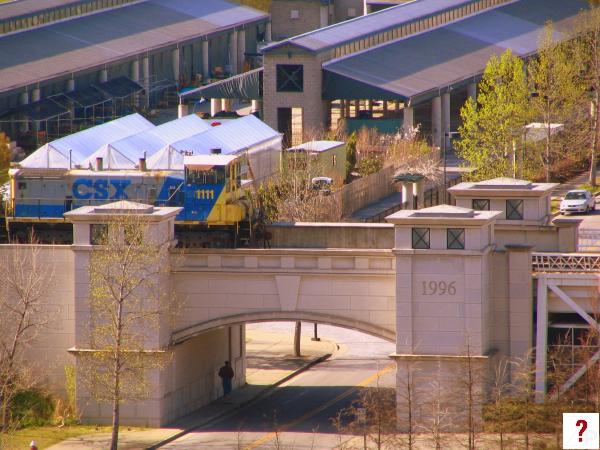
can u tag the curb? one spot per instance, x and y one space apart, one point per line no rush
266 391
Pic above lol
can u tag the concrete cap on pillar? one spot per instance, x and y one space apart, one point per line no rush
443 214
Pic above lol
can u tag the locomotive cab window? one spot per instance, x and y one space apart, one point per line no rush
214 175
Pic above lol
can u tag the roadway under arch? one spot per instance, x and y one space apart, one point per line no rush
184 334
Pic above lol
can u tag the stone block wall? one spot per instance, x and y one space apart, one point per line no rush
314 109
283 26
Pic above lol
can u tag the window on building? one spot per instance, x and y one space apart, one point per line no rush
514 209
294 14
98 233
420 238
290 78
455 238
481 204
333 160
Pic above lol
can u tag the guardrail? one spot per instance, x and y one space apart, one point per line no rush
589 240
565 262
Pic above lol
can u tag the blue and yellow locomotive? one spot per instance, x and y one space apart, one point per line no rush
209 189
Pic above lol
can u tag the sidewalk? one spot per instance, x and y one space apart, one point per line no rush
270 362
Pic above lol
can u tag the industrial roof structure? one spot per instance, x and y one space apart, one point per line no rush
416 67
364 26
73 149
84 42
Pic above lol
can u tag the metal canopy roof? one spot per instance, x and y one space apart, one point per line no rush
43 110
88 96
120 87
28 7
415 68
350 30
244 85
90 41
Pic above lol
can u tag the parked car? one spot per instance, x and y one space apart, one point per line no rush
322 184
578 201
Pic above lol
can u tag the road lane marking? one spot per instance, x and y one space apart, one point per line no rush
270 436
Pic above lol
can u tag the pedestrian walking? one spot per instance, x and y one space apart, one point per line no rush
226 374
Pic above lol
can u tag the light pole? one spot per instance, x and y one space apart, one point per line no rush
447 136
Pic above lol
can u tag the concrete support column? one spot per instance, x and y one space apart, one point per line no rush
135 70
226 104
324 16
256 106
205 60
520 301
146 79
175 55
135 76
541 343
35 95
268 33
407 196
70 85
446 120
24 100
436 121
241 50
472 90
182 110
215 106
233 52
408 121
103 76
419 193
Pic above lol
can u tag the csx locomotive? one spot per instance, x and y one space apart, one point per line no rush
209 190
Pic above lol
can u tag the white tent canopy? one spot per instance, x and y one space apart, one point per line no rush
248 133
125 153
73 149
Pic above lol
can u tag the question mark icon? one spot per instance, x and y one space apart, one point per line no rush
583 424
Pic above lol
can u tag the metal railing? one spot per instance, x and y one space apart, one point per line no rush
565 262
589 240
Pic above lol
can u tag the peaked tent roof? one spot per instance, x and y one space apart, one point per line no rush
232 136
125 153
83 143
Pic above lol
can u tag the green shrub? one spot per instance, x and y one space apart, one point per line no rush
32 408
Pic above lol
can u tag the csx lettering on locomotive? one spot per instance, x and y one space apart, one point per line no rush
85 189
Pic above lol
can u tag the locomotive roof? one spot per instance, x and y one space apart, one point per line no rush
204 161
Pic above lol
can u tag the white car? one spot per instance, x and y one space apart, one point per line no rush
578 201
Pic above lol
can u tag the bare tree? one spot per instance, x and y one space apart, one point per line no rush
500 391
407 399
291 195
437 416
128 303
25 282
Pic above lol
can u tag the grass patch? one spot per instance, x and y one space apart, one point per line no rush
47 436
